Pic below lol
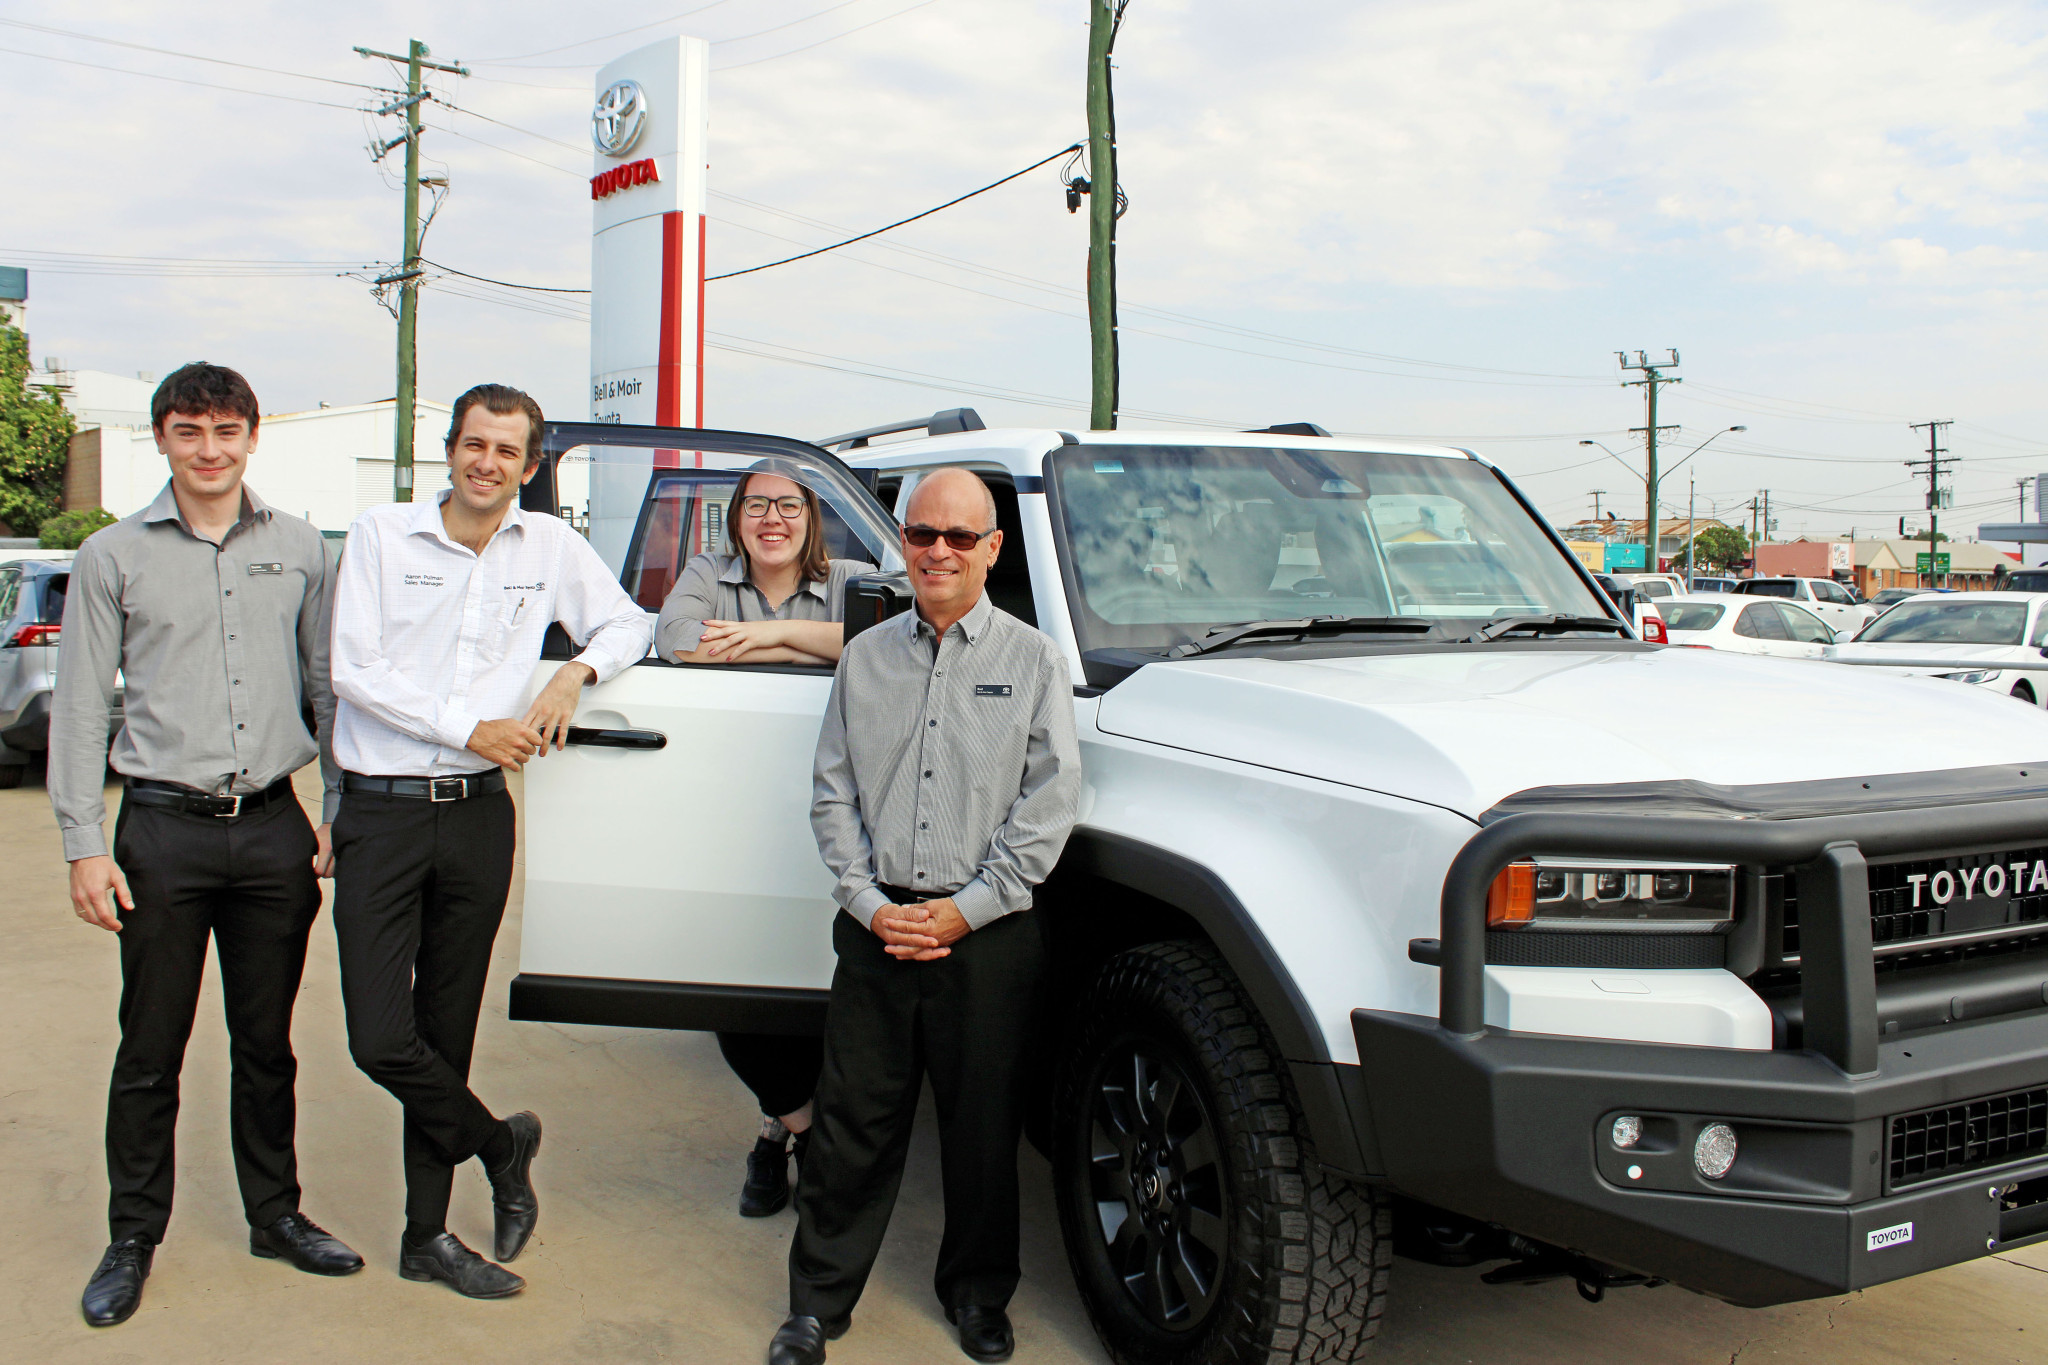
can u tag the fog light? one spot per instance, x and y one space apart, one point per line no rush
1714 1154
1628 1130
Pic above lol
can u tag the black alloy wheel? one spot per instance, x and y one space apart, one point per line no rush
1200 1227
1157 1180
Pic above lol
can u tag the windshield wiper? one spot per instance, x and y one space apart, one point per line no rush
1225 637
1542 625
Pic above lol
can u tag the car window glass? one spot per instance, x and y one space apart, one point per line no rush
1804 626
652 509
1654 587
54 588
1771 587
1950 621
10 588
1831 592
2028 582
1692 615
2040 635
1762 622
1170 541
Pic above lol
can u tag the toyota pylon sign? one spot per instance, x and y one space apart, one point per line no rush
648 135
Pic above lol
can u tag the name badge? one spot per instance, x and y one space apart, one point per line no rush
266 568
991 689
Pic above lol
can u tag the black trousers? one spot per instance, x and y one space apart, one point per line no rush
419 890
780 1069
964 1020
248 884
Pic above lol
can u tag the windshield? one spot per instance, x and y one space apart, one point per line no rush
2027 582
1691 615
1950 621
1169 542
1653 587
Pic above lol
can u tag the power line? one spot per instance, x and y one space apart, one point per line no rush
847 33
730 274
503 284
586 42
188 56
179 80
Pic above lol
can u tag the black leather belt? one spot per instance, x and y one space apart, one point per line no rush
428 788
169 795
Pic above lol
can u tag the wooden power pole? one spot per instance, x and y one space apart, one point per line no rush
407 276
1105 16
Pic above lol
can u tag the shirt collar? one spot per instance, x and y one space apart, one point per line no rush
971 626
735 572
165 507
426 518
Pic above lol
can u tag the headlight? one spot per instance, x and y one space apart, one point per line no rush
1981 675
1578 893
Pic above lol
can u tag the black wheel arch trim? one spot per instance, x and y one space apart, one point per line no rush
717 1008
1332 1093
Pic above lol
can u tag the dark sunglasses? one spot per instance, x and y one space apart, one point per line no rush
924 537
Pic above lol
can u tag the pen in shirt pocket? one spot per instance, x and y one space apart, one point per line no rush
516 610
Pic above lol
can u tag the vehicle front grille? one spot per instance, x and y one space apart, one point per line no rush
1904 904
1969 1136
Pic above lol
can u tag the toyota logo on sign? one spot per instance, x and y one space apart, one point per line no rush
620 114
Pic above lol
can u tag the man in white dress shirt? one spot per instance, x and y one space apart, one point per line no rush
438 623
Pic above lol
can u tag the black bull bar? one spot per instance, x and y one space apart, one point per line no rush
1504 1126
1838 986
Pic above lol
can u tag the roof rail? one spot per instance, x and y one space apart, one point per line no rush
1288 429
942 423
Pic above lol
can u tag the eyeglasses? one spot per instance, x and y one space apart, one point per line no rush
756 506
924 537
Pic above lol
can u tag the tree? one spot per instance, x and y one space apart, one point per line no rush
68 530
35 441
1720 548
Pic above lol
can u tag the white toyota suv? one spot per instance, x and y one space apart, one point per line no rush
1388 923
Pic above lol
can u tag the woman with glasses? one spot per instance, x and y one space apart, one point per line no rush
775 597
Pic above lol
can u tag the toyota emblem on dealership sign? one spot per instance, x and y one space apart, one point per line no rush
620 114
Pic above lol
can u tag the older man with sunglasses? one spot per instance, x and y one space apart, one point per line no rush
947 780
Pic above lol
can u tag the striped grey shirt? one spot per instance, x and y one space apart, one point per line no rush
716 588
221 647
947 764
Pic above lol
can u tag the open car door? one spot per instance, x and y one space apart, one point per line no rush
671 876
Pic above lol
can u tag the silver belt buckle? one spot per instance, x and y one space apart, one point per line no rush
232 811
435 786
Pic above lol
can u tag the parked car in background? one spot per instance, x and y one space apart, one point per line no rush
1656 586
1782 630
1824 597
1972 627
32 587
1707 583
1627 595
2027 580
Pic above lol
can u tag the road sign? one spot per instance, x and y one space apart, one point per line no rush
1920 564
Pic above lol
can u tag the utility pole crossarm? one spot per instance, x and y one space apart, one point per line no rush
433 66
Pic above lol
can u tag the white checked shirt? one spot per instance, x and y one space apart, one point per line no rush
430 638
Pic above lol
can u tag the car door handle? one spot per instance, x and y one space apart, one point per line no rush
616 739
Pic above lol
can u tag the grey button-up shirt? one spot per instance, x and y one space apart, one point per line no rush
716 588
219 646
947 765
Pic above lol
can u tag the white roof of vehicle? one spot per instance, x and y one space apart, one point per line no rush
1022 450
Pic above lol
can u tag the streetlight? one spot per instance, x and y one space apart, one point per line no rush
1652 534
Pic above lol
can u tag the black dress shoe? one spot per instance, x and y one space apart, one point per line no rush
445 1259
115 1290
767 1187
985 1333
512 1197
307 1245
801 1340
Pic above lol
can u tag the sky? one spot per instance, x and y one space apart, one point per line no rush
1427 220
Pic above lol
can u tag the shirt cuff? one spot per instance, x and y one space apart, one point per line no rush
865 902
455 726
979 905
84 841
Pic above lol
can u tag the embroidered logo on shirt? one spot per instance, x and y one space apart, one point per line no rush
266 568
991 689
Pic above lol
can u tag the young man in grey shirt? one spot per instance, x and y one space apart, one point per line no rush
214 609
947 780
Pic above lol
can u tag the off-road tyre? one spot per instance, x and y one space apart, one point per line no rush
1304 1266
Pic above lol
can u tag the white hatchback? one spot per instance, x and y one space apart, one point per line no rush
1782 630
1980 628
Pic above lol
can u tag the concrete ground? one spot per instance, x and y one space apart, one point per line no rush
640 1255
